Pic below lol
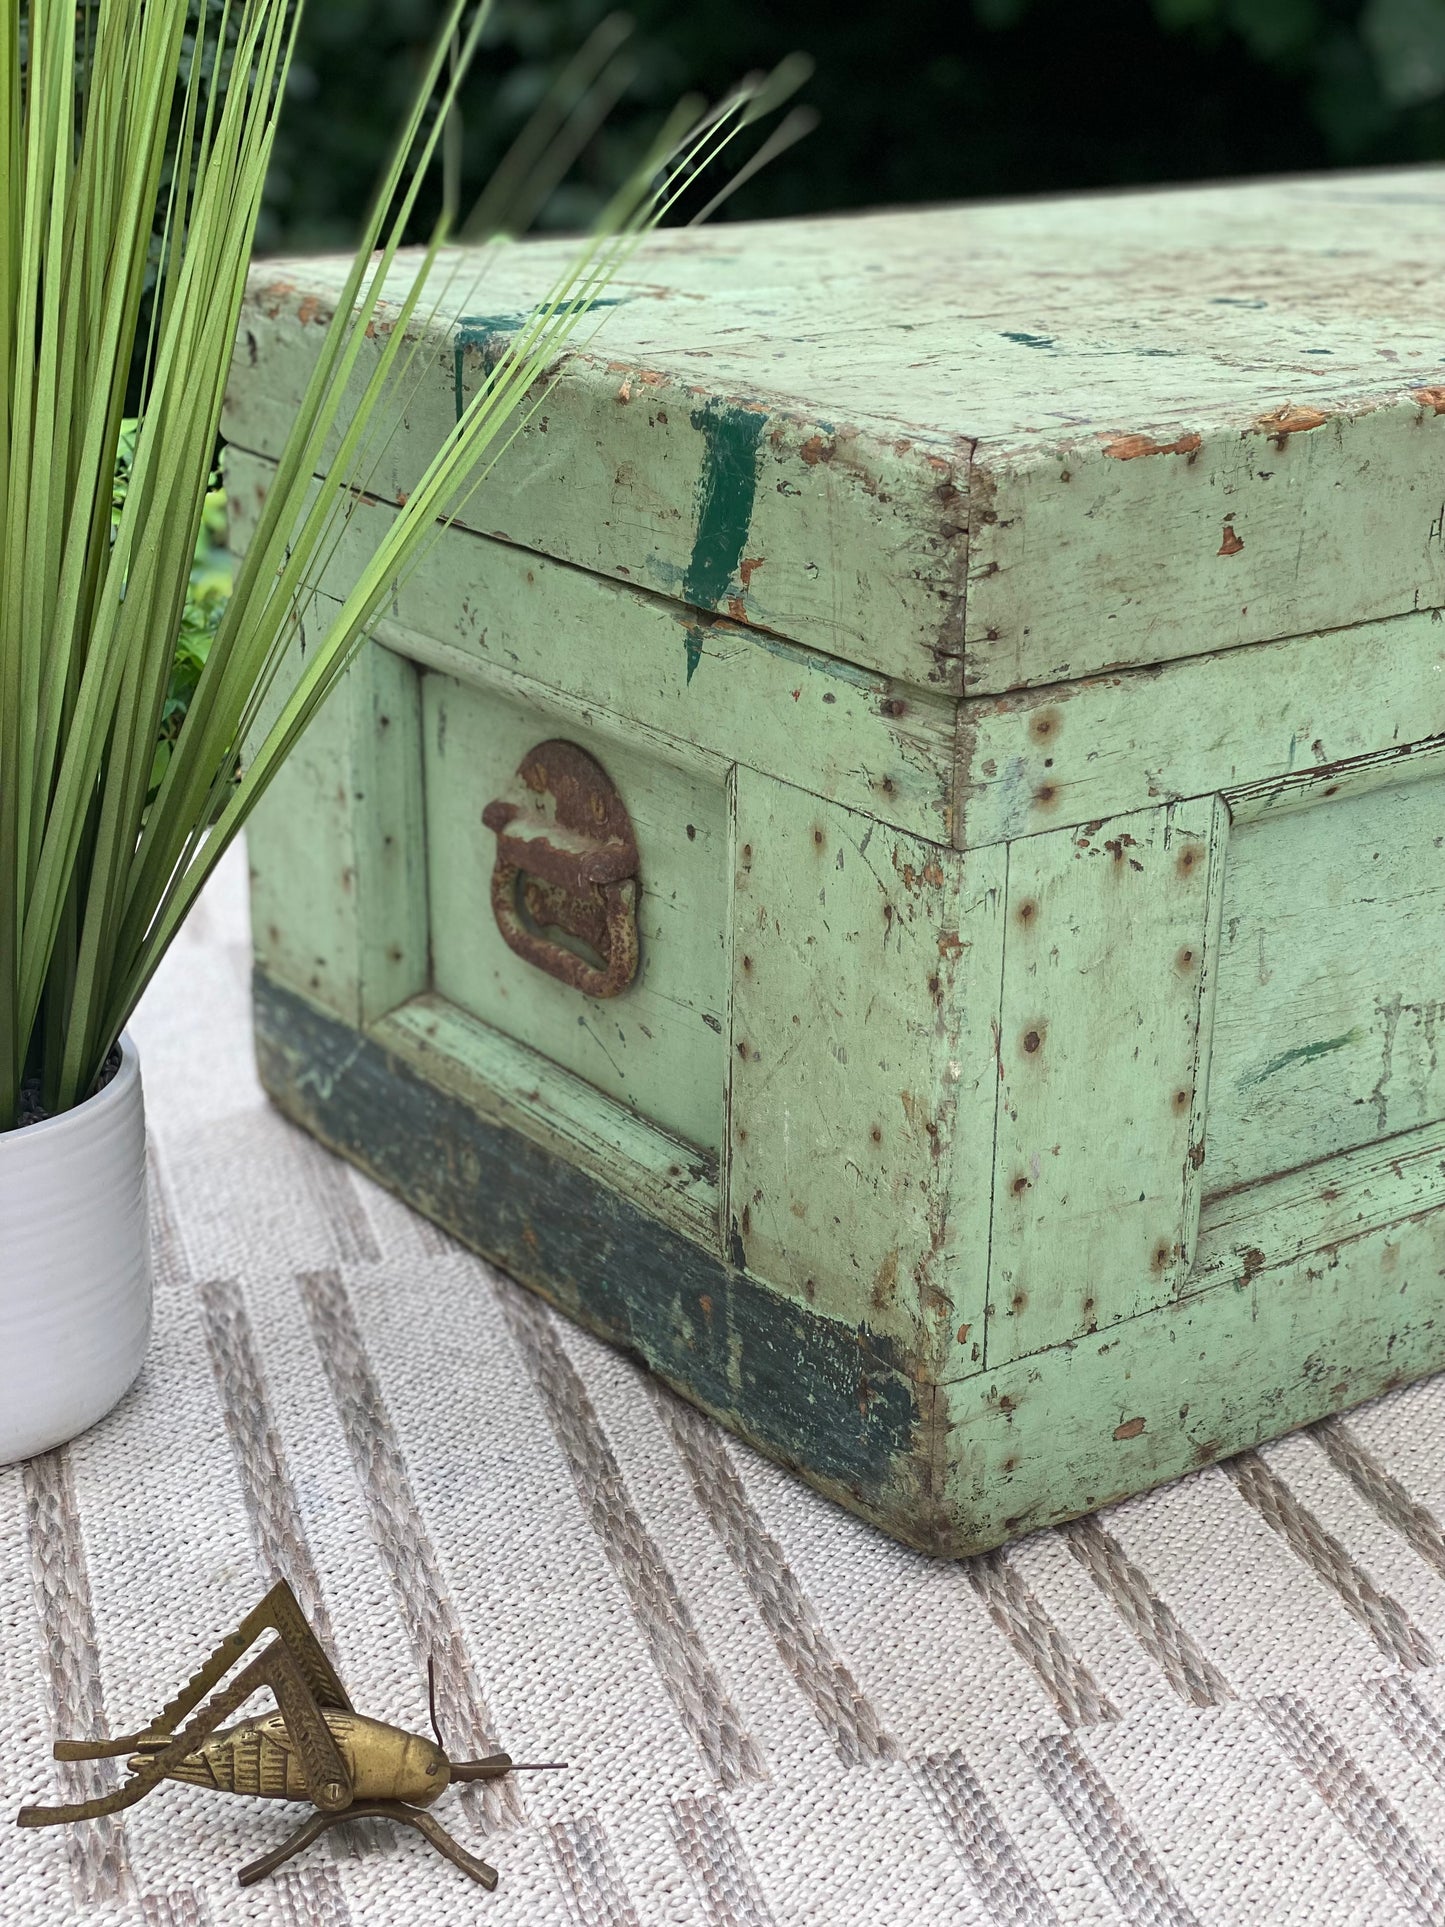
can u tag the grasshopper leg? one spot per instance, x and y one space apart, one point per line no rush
477 1870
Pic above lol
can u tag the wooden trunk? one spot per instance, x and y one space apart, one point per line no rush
1014 636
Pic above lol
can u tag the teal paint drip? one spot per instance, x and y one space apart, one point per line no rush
694 648
481 333
488 334
726 492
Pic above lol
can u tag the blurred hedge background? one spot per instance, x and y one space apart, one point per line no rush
919 101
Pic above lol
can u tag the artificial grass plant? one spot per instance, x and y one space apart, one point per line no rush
99 862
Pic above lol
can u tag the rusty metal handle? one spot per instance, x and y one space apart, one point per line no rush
620 946
566 848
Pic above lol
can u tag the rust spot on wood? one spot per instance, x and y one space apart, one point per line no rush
1033 1041
1130 1429
736 609
816 450
963 1334
1230 543
885 1283
747 568
1433 398
1188 857
1027 911
1253 1262
1128 448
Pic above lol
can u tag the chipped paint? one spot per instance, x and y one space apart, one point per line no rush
1128 448
1290 420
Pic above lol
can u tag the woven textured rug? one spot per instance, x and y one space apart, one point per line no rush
1220 1703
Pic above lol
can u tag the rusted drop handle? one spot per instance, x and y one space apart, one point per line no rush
566 851
619 944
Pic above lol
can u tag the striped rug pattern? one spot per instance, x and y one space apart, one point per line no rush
1221 1703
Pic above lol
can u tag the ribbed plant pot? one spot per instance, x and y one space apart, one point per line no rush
75 1273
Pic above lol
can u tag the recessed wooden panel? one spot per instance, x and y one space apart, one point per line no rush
658 1047
1329 1027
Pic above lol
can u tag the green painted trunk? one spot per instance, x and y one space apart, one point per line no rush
1014 636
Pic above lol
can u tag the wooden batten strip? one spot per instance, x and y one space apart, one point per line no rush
1252 720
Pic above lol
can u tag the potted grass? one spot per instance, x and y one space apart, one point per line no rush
107 113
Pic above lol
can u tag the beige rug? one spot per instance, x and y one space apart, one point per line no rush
1221 1703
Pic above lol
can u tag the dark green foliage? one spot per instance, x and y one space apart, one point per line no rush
925 102
206 595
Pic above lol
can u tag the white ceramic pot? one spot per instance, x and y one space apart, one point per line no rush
75 1273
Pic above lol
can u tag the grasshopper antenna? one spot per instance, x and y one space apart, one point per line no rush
431 1700
495 1764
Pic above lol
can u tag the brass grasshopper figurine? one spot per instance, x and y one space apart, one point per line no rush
313 1747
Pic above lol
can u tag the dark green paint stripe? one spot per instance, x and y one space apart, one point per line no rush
726 491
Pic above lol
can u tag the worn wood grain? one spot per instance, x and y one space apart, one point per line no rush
951 1469
303 844
516 1087
553 635
975 447
1093 748
1318 1206
1091 1422
864 1080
